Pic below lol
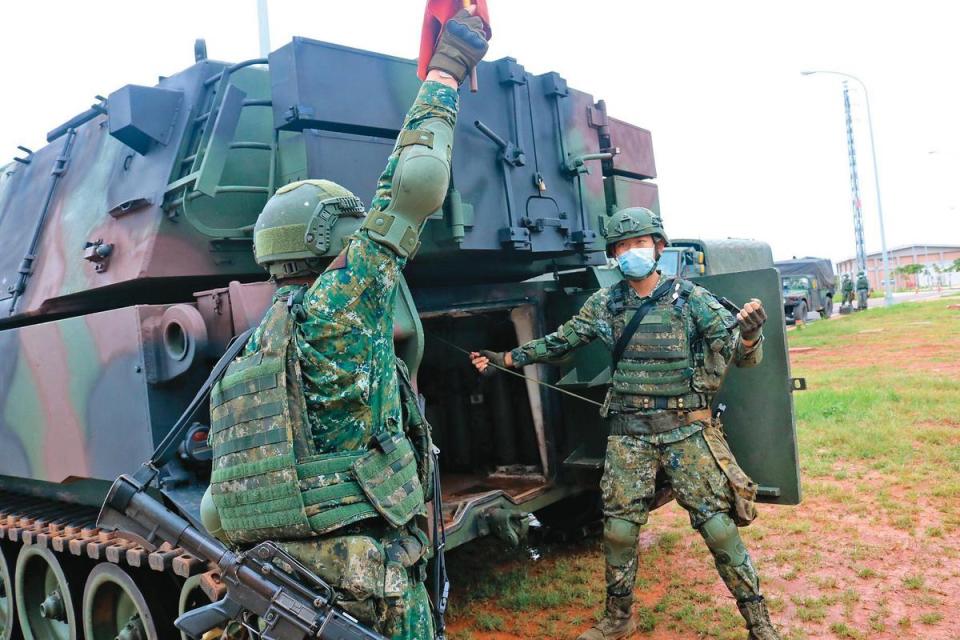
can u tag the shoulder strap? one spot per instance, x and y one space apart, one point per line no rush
165 449
617 294
683 290
295 303
408 397
635 321
416 428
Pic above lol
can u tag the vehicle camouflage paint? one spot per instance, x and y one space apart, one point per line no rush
691 258
809 284
127 268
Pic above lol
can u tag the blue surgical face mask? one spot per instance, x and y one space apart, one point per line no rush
637 263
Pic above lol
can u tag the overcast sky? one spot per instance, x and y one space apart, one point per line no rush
745 145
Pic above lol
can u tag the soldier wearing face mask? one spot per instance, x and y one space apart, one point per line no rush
671 342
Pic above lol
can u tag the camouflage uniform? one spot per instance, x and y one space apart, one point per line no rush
369 564
863 290
847 289
345 340
688 453
344 344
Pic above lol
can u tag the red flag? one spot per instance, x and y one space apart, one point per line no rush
434 17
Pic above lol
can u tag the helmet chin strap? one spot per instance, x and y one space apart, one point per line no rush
286 271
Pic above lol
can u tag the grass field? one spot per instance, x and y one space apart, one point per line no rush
872 552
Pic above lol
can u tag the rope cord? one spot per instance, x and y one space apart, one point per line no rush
518 374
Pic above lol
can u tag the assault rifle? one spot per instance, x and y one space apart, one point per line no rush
291 602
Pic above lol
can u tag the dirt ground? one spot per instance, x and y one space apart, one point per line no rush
873 551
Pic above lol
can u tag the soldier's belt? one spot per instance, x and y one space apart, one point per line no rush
632 424
685 402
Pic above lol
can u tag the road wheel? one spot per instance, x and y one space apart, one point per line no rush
44 595
800 312
8 606
827 308
114 607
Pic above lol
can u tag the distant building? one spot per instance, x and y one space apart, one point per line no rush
932 256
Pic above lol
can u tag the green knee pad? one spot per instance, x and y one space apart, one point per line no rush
419 187
620 540
723 539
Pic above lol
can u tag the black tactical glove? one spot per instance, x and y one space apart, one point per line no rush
751 319
495 358
462 45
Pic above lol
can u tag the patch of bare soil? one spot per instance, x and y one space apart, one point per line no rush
890 570
940 358
830 569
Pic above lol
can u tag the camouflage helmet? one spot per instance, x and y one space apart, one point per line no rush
293 230
633 222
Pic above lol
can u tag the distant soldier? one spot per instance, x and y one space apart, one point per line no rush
309 440
863 290
671 342
847 290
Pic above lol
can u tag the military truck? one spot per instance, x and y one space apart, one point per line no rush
809 284
127 269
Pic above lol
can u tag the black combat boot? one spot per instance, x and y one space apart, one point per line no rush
754 611
617 622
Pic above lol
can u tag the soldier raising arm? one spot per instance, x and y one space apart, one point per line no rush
308 443
668 368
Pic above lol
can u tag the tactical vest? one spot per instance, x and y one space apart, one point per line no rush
267 481
664 365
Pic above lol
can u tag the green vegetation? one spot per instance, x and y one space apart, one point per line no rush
866 572
914 269
841 630
646 621
813 608
932 617
884 413
488 622
879 438
517 586
913 582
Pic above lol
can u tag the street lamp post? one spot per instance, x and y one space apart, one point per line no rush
887 287
263 27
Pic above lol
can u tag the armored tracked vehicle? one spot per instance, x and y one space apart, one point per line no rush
126 268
